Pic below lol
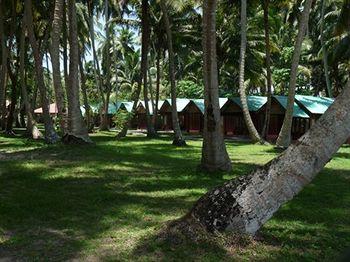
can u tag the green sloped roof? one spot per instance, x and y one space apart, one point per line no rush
255 103
313 104
200 104
297 111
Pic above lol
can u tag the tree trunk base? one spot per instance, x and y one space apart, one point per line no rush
122 133
10 133
152 134
179 142
222 167
70 139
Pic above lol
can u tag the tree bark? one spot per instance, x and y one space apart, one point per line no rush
178 138
246 203
214 154
284 138
3 72
65 46
32 130
104 121
155 114
265 131
151 132
14 99
85 97
97 71
253 133
50 133
76 126
55 60
324 51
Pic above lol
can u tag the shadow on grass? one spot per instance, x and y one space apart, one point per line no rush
316 223
55 204
59 198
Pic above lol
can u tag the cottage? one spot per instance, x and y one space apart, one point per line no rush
301 121
140 116
194 116
165 113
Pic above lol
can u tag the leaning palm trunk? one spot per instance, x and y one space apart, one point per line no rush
284 138
253 133
265 130
55 60
245 204
324 51
178 139
50 133
214 154
78 132
151 132
32 130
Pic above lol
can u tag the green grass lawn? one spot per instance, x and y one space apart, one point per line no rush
108 202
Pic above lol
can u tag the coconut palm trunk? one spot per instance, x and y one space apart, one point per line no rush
77 130
32 130
245 204
55 60
155 114
84 93
284 138
50 133
324 51
64 45
3 72
104 121
14 98
96 64
265 131
214 154
178 138
253 133
151 132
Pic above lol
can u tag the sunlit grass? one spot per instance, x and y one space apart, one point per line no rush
106 201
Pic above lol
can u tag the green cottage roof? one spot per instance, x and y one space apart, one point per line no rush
297 111
255 103
313 104
200 104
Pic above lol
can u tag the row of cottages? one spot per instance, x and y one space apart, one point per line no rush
307 110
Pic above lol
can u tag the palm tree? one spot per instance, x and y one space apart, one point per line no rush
55 60
50 133
178 139
265 4
104 120
253 133
324 50
76 126
214 154
32 129
284 138
3 67
245 204
151 132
